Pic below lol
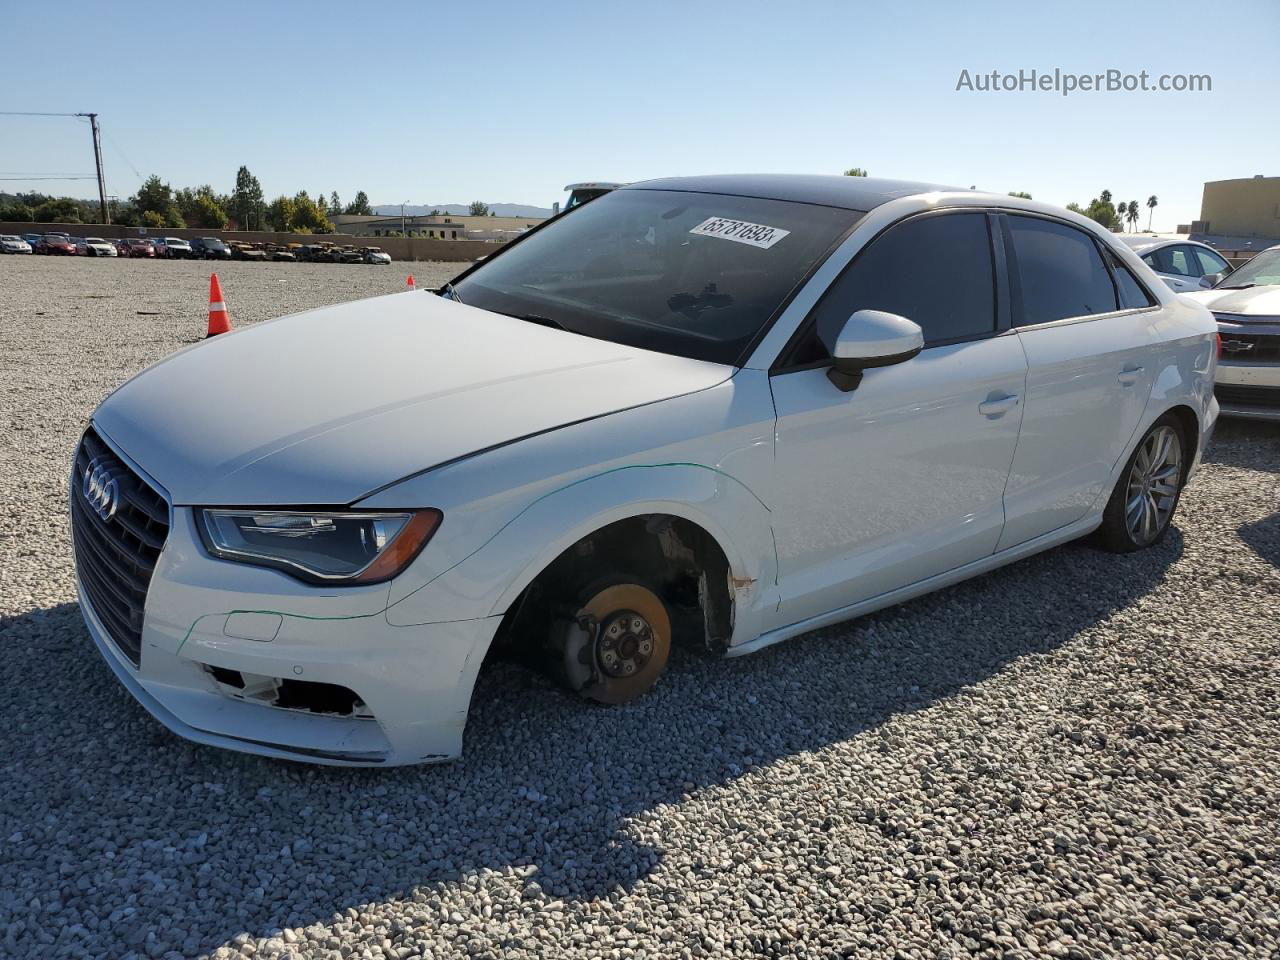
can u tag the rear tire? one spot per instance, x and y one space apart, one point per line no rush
1146 495
616 646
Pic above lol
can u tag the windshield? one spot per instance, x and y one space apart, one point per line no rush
693 274
1262 271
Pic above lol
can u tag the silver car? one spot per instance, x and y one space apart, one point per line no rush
12 243
1184 265
1247 308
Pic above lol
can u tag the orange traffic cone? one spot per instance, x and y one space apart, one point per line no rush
219 322
410 283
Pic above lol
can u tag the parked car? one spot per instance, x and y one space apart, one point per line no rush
32 239
138 247
12 243
349 254
375 255
580 193
1183 264
173 248
210 248
281 254
56 244
95 247
1247 307
741 407
247 251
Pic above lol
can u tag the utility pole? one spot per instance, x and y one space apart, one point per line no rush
97 159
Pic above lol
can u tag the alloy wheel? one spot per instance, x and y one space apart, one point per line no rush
1154 479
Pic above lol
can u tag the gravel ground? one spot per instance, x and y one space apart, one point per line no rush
1072 757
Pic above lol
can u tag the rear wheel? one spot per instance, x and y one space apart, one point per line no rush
1145 497
617 644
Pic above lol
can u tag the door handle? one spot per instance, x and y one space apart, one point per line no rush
1129 375
999 406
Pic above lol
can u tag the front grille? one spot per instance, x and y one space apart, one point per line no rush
1250 348
115 557
1248 396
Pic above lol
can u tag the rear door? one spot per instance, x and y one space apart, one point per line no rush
900 479
1084 321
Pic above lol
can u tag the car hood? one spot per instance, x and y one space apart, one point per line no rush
1261 301
327 406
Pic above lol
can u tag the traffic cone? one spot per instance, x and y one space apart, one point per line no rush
410 283
219 322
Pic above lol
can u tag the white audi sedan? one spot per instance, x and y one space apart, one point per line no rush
717 410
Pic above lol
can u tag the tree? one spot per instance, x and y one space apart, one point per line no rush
16 211
280 214
1152 202
156 196
1105 196
855 172
1101 210
246 200
206 212
335 205
61 210
1131 215
150 218
478 208
1020 193
360 206
307 215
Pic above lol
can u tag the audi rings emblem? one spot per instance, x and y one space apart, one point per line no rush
101 490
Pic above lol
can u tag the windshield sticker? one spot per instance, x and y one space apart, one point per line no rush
740 231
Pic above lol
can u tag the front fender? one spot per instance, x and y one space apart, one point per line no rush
487 581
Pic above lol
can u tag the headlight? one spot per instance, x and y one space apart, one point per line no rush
320 547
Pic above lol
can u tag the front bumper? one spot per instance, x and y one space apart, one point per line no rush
209 624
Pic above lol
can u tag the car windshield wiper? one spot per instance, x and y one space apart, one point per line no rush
448 290
1235 286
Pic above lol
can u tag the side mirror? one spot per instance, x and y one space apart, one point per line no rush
872 338
1212 280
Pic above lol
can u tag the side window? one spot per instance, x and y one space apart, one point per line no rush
1132 294
935 270
1060 271
1210 262
1174 260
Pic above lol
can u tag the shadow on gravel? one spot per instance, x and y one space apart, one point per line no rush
1263 538
127 838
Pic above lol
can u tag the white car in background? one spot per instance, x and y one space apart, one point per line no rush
12 243
1184 265
173 248
724 410
1247 308
95 247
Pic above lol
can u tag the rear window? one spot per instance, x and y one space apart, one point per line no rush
693 274
1059 270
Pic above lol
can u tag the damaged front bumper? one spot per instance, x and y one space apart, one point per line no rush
248 659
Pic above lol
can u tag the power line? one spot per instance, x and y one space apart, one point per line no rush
97 152
29 179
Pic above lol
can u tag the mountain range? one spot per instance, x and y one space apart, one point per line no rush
460 209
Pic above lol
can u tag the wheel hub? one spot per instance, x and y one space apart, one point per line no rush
1153 485
624 643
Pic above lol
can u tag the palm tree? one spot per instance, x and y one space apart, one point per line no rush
1152 202
1132 216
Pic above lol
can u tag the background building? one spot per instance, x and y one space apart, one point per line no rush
440 227
1241 208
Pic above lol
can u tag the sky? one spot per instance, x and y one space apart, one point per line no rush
508 101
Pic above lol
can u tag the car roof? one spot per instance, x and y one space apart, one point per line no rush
1148 244
850 193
